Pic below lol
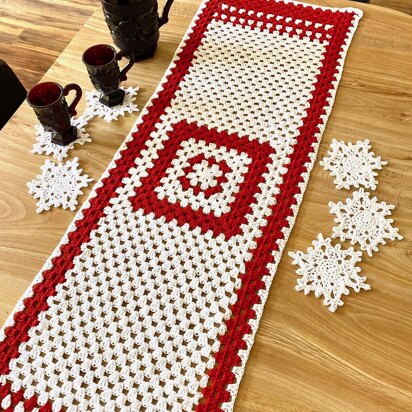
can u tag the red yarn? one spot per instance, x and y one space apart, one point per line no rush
238 326
17 397
229 224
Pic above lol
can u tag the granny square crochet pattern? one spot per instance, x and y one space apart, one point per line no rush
152 299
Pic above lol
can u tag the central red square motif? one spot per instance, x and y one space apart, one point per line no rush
204 178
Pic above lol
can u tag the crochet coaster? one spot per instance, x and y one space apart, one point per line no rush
58 185
45 146
153 298
96 109
328 271
353 164
364 221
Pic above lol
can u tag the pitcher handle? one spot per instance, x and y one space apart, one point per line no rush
78 90
165 14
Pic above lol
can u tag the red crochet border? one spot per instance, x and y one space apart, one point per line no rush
17 397
229 224
238 326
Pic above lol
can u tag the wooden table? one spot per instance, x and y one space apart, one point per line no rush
304 358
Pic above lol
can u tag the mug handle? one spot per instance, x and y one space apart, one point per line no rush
119 56
78 90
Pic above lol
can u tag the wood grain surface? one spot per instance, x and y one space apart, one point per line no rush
33 33
304 358
404 6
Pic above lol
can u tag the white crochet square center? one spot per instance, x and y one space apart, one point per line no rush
136 324
217 203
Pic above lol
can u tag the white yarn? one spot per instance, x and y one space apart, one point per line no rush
138 320
364 221
353 164
45 146
328 271
218 203
96 109
58 185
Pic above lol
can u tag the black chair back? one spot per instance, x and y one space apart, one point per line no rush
12 93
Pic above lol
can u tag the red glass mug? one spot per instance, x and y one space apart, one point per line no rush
102 65
49 103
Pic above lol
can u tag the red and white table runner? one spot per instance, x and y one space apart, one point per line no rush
152 299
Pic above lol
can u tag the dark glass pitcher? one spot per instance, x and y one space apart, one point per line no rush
134 25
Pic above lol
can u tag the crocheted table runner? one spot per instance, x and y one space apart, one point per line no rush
153 297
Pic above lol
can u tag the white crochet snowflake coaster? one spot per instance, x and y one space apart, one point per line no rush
45 146
58 185
363 220
96 109
328 271
353 164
